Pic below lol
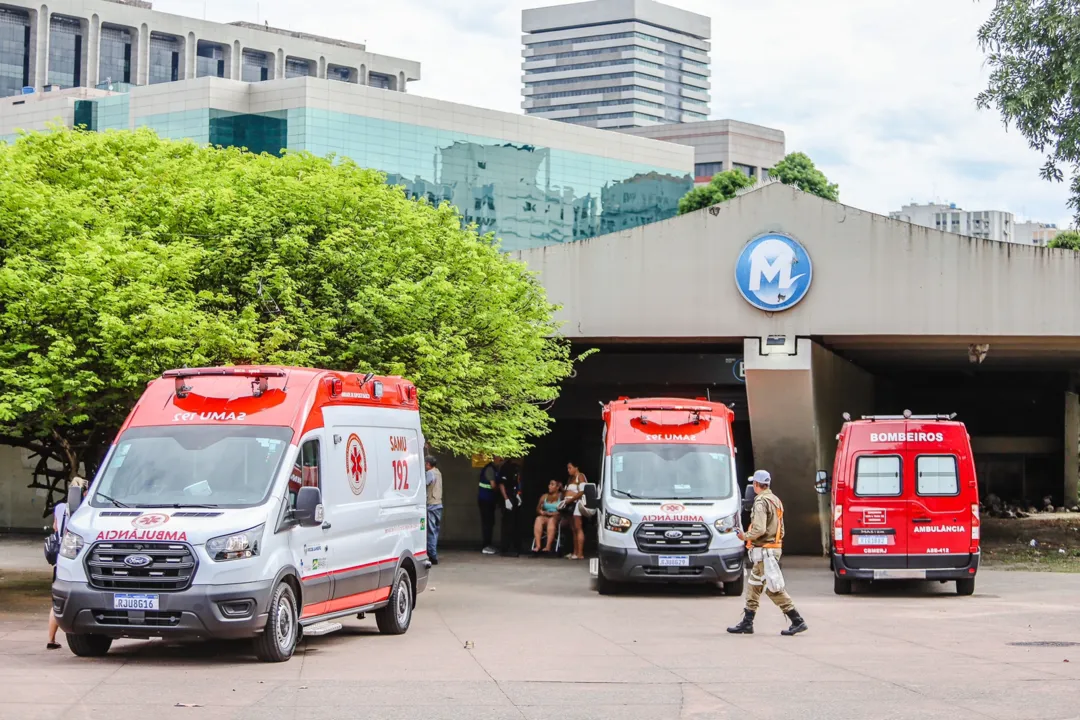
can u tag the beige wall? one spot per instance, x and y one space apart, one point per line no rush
872 276
21 509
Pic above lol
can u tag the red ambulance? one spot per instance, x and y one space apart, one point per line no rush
905 501
250 502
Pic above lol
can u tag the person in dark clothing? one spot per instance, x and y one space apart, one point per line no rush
486 499
510 495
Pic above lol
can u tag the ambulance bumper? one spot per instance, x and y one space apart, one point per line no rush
200 612
632 565
906 567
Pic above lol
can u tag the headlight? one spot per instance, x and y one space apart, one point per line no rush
71 545
727 524
616 523
236 546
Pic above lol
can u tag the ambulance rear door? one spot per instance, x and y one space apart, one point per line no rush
941 515
875 511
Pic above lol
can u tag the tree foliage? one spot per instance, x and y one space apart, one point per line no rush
722 187
798 170
122 255
1066 239
1031 49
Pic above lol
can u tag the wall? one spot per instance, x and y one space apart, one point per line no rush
1072 447
21 509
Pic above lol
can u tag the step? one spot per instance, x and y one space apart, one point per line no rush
321 628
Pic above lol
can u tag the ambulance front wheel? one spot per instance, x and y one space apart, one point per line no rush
735 587
605 585
394 619
841 585
965 586
277 641
88 645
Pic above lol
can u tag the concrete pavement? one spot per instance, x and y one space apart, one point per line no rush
499 638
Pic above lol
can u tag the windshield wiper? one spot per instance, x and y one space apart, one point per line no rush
177 506
114 501
630 495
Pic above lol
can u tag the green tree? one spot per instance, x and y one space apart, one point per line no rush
723 186
798 170
1066 239
1034 84
122 254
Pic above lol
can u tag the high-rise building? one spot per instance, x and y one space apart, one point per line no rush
616 63
103 43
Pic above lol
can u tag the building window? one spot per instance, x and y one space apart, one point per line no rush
708 169
210 61
255 66
65 52
164 58
115 66
749 170
380 81
14 51
295 67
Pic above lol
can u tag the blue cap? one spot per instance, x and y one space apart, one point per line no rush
762 477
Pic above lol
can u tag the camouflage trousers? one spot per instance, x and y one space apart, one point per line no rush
757 584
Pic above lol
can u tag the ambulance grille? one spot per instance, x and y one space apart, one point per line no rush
171 567
653 538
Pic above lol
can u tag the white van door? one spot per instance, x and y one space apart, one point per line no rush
403 514
352 489
311 545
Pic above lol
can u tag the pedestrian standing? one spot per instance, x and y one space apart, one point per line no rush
510 490
486 498
433 478
52 549
764 540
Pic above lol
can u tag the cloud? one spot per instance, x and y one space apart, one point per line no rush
880 93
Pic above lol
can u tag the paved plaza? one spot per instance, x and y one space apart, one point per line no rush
498 638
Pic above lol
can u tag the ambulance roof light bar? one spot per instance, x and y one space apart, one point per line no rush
907 416
258 376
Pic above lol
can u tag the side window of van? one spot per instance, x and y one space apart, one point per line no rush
877 476
305 471
937 475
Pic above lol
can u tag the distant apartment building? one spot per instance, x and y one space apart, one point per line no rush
721 145
616 64
987 224
1035 233
97 43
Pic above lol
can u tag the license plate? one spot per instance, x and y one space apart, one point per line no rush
871 539
899 574
135 602
674 561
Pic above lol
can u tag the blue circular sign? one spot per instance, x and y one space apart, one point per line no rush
773 272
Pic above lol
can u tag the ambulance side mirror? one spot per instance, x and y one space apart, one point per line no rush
74 498
822 485
592 497
309 509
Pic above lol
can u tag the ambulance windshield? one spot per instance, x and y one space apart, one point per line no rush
192 466
671 472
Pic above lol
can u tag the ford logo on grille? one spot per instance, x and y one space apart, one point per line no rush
673 534
138 560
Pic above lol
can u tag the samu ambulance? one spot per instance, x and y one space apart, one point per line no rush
668 502
905 501
250 502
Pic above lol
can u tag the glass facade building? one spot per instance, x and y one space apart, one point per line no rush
255 66
164 58
527 193
14 51
65 52
210 61
115 55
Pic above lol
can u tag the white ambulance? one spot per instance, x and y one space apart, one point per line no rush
250 502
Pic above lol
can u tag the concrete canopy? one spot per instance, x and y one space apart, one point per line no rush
883 291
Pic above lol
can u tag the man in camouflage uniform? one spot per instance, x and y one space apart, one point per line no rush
765 537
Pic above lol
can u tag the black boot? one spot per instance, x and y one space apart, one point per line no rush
745 626
798 625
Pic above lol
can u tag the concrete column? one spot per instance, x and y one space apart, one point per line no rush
279 64
93 51
796 391
401 82
191 52
1072 447
140 74
322 68
237 61
39 50
362 79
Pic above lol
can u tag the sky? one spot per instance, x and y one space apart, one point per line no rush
880 93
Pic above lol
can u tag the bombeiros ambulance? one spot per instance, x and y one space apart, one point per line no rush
250 502
904 501
668 503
